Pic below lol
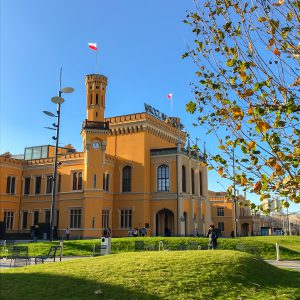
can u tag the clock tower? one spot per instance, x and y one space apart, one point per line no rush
94 133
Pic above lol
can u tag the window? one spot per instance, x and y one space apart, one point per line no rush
220 211
75 218
200 184
49 184
96 98
9 219
47 216
193 181
221 226
25 219
10 185
163 178
27 186
105 218
126 218
95 181
91 99
77 181
59 183
38 182
126 179
35 217
183 180
106 182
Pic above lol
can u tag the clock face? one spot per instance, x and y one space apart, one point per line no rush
96 145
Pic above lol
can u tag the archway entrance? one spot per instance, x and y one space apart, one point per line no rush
245 229
165 223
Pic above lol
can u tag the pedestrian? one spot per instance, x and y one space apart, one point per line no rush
232 234
143 231
135 232
212 235
32 234
107 232
68 233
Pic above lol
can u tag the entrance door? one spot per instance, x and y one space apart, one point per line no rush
165 223
245 229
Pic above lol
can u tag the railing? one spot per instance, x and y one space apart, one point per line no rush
86 124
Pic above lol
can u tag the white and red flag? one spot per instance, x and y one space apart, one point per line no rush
170 96
93 46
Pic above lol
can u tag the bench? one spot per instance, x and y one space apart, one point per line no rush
19 256
52 253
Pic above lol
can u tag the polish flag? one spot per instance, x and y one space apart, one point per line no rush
169 96
93 46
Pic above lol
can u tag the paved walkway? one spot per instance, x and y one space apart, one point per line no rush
288 264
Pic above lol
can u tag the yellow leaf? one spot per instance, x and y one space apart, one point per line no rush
244 180
250 110
238 127
203 164
251 145
276 52
220 170
263 126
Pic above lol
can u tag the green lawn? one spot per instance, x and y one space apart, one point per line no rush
265 246
153 275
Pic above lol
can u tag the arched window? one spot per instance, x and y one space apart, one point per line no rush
183 180
96 98
163 178
91 99
126 179
193 181
200 184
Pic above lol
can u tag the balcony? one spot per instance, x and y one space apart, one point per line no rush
86 124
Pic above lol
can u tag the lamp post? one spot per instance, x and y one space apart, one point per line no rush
58 100
234 194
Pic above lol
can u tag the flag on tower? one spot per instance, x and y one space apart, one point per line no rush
170 96
93 46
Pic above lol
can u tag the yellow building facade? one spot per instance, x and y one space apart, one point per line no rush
222 215
133 172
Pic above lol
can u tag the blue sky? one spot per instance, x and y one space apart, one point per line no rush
140 47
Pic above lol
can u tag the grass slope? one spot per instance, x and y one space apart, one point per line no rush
289 246
153 275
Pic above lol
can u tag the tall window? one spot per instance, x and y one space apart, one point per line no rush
105 218
220 211
95 181
38 183
126 218
96 98
49 184
10 185
59 183
126 179
27 186
77 181
47 216
25 219
163 178
35 217
75 218
183 180
200 184
9 219
221 226
106 182
193 181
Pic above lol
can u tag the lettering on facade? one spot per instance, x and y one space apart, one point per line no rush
161 116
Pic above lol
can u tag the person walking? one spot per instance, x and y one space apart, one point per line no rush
212 235
68 233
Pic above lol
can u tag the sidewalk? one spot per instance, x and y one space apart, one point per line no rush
288 264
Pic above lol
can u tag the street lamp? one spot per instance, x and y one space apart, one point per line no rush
234 195
58 100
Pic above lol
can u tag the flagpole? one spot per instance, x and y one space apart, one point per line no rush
96 61
172 106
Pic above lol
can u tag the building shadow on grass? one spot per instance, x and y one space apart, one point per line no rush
43 286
